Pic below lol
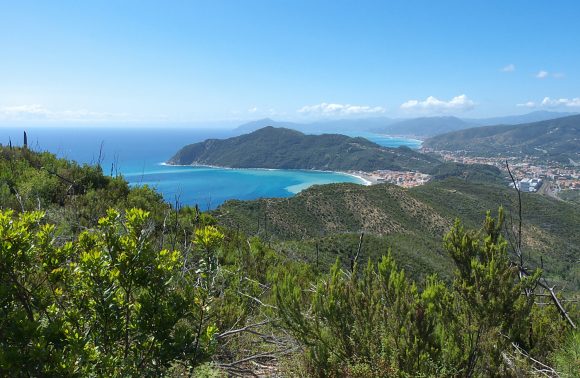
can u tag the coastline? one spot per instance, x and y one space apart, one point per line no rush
365 179
414 138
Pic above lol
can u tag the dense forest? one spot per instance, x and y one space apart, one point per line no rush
101 279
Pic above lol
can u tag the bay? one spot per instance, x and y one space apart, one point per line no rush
138 154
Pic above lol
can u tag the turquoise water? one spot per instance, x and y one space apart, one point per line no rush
209 187
138 155
387 140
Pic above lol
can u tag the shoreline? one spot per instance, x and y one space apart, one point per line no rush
414 138
365 179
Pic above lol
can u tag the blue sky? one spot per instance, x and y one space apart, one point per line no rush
199 61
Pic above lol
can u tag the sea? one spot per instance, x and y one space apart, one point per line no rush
139 153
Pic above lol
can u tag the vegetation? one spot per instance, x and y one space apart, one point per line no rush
147 289
374 321
107 303
282 148
570 195
412 221
479 173
551 140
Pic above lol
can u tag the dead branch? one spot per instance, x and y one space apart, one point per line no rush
256 300
243 329
539 367
354 261
544 284
522 271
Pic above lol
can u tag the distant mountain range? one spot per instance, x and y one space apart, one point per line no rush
555 139
425 126
416 127
320 127
283 148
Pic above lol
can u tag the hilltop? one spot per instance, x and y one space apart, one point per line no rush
555 139
283 148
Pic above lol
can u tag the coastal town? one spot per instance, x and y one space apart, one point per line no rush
530 175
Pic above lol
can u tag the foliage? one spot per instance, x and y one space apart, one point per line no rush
411 221
168 290
376 322
567 357
107 303
480 173
570 195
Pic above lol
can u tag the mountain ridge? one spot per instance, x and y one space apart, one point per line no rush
556 139
419 126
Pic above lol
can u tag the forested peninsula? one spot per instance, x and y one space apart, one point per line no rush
282 148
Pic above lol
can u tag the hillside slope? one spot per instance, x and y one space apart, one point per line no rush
283 148
555 139
412 221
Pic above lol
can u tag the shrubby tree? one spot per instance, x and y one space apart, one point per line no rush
107 303
376 322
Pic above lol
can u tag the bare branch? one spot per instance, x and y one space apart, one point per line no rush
243 329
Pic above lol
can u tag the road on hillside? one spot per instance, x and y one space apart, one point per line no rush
548 188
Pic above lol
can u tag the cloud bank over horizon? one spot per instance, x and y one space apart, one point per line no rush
548 102
36 112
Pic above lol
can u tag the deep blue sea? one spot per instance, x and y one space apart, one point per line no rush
138 154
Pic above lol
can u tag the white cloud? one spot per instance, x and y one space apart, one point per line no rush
253 110
433 105
40 113
509 68
545 74
548 102
529 104
326 109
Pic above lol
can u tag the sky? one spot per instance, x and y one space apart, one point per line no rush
206 62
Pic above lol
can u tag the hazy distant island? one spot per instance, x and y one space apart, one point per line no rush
282 148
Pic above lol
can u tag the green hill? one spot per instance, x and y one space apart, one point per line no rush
283 148
413 221
555 139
